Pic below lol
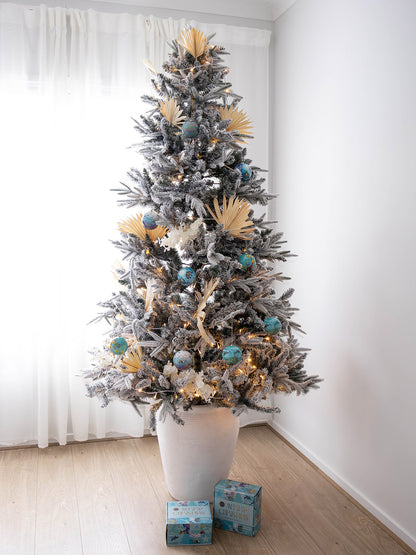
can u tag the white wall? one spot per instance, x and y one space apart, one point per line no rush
345 169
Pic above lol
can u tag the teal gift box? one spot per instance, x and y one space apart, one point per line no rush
188 523
237 507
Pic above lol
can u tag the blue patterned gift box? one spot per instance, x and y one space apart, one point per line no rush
188 523
237 507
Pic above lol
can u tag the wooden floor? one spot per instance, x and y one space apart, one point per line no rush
110 498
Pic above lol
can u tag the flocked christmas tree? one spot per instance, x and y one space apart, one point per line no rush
196 319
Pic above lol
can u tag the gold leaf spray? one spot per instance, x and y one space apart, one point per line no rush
234 217
194 41
171 111
132 361
200 314
239 121
134 226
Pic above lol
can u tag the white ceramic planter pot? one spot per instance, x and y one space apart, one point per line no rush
200 453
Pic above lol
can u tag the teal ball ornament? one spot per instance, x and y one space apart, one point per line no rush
247 261
190 129
272 325
119 346
232 354
149 220
186 276
244 170
182 360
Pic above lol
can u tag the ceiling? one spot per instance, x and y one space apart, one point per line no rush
279 6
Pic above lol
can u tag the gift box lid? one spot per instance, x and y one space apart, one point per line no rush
182 512
238 487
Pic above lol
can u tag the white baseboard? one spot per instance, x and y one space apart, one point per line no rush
364 501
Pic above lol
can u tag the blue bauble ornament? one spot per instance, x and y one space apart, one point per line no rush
149 220
232 354
119 346
182 360
190 129
186 276
245 171
247 261
272 325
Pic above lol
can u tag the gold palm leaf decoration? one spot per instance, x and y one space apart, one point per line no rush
234 217
171 111
134 225
117 266
194 41
200 314
148 293
133 361
150 66
239 121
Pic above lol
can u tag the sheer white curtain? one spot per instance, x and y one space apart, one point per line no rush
70 81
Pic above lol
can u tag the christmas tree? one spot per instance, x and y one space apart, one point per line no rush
196 319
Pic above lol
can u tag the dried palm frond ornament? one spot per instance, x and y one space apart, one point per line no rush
209 288
132 362
239 121
134 226
171 111
148 293
150 66
194 41
234 217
